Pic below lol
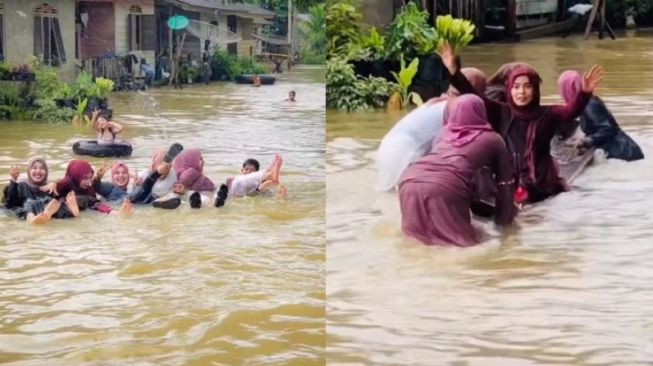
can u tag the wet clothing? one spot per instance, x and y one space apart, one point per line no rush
162 186
528 132
246 184
598 123
604 133
188 168
436 192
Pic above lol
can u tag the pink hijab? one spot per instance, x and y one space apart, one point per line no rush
188 167
467 121
569 85
114 169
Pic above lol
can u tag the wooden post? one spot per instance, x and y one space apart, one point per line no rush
170 56
602 27
511 27
590 21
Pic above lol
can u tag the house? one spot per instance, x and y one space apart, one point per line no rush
67 33
37 28
507 17
236 25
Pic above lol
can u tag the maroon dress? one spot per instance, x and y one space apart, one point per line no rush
436 192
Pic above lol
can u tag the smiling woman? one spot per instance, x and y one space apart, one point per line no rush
242 284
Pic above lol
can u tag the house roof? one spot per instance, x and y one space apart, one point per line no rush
229 6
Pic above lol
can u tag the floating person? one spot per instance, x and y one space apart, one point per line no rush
496 84
29 201
291 96
528 127
79 179
253 182
150 185
191 181
435 192
106 130
599 125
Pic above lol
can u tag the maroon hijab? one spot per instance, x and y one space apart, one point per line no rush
532 110
569 85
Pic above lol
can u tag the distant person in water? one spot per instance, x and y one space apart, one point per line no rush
599 125
256 81
291 96
148 71
106 130
252 181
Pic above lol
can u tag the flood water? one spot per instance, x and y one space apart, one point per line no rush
572 284
240 285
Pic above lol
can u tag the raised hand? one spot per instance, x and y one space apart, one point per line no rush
14 172
50 188
592 78
448 57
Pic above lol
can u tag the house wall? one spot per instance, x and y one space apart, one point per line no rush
99 38
247 46
19 32
122 27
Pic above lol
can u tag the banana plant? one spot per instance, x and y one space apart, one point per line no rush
405 79
457 32
79 112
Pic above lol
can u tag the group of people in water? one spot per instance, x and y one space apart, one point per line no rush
490 141
173 177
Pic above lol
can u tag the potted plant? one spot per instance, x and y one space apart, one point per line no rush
411 35
104 87
405 79
22 73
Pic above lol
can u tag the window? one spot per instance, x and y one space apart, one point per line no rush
141 30
232 23
48 45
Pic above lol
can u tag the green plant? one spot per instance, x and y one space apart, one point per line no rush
309 57
47 85
343 28
371 47
344 91
5 71
457 32
315 28
104 87
405 79
84 87
410 34
79 111
47 110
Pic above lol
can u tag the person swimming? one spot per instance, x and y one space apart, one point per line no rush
252 181
291 96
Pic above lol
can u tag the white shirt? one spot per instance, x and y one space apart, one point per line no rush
410 139
162 186
243 185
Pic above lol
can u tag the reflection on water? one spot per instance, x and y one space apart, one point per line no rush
570 285
243 285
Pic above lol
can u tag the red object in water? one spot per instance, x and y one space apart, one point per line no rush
521 195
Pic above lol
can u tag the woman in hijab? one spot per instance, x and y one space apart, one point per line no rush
413 135
189 168
79 179
496 84
117 189
598 124
435 193
527 127
28 199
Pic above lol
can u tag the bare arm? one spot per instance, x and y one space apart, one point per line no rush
115 127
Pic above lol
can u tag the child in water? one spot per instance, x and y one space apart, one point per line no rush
106 130
252 181
291 96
